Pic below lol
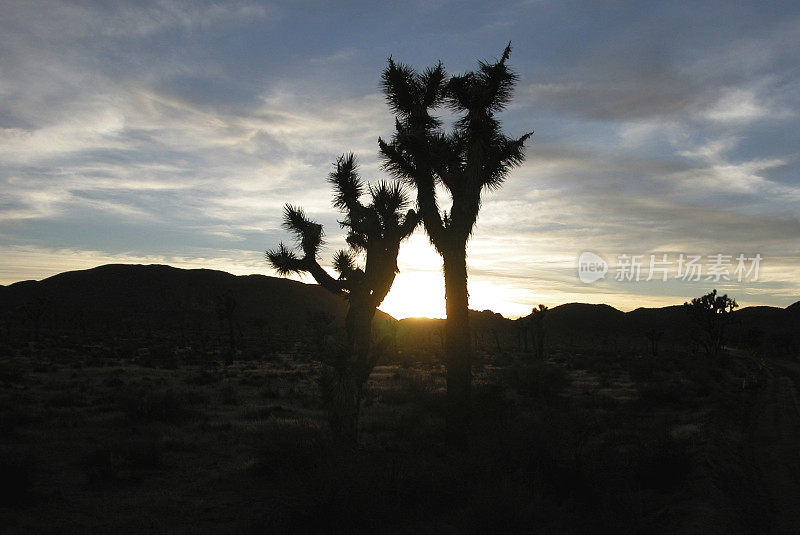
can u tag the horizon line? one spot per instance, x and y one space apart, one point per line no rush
510 317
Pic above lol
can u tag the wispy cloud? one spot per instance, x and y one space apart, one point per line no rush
171 131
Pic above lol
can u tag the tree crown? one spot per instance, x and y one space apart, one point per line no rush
375 229
474 155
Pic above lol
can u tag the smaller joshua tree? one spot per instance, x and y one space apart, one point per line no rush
711 314
375 231
538 319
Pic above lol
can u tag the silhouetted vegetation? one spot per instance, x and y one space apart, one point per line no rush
538 320
599 436
474 157
711 315
376 230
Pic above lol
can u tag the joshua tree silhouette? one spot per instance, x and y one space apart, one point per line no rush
711 314
225 307
376 230
474 156
539 320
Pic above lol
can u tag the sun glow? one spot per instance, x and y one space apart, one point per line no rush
421 294
418 290
416 294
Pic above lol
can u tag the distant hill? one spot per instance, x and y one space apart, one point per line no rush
584 320
422 334
773 325
604 327
135 300
122 301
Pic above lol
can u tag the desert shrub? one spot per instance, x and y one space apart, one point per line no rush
270 393
16 411
142 404
409 387
662 462
265 413
121 463
230 395
254 379
10 373
6 348
641 369
490 401
17 474
94 362
204 377
66 399
348 490
704 380
13 419
369 395
169 362
582 362
41 367
127 349
253 353
113 382
536 379
292 447
598 400
162 350
669 391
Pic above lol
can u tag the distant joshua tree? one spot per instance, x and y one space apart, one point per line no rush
35 312
374 230
225 307
538 320
711 314
320 326
654 336
475 156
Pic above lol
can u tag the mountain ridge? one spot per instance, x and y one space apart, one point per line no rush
132 299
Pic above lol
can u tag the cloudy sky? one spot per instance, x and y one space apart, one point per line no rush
173 132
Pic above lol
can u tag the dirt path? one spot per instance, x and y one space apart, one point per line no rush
777 445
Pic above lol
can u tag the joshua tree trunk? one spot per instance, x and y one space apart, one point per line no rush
458 351
540 341
358 324
231 340
340 389
522 333
375 229
349 375
474 157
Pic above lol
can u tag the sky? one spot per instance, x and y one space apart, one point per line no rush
174 132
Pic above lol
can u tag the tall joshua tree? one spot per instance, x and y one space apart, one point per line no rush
474 156
374 230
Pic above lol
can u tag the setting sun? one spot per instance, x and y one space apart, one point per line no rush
417 294
418 290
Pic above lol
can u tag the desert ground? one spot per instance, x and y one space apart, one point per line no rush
585 442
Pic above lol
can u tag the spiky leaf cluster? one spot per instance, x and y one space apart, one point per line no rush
474 155
374 229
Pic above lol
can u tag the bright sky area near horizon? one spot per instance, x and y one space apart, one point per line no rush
173 132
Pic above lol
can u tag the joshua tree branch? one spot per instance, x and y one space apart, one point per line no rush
286 261
408 225
323 277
